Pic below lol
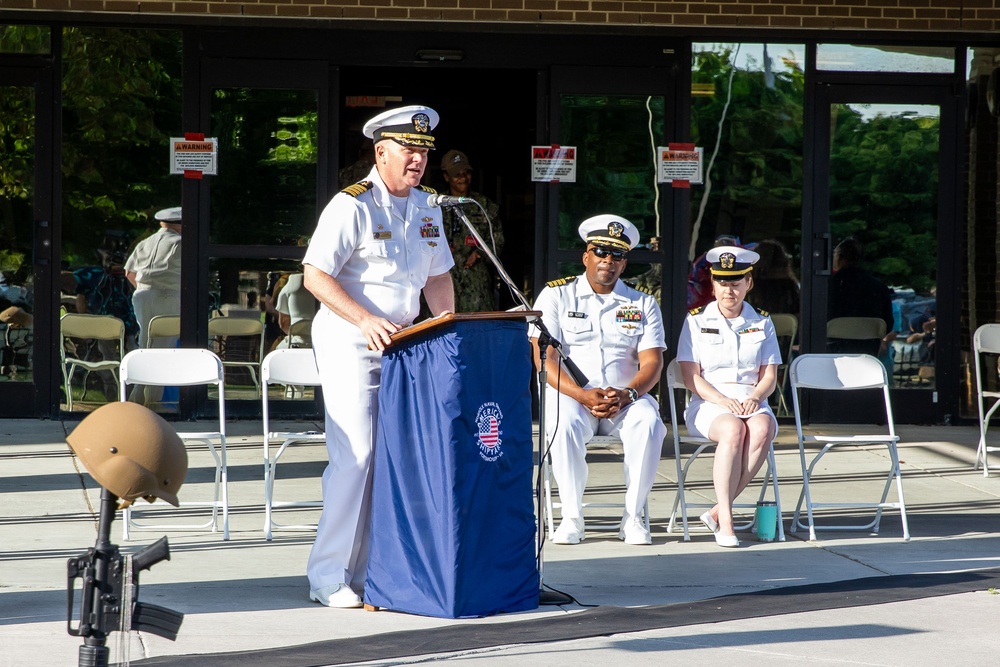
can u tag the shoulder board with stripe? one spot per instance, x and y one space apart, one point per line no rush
559 282
639 288
424 188
358 188
763 312
696 311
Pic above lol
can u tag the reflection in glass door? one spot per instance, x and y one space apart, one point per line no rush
262 210
615 125
25 247
881 244
883 226
17 138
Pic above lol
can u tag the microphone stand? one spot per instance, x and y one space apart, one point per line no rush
545 340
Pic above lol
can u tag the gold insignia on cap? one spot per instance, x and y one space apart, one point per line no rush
727 260
616 229
421 123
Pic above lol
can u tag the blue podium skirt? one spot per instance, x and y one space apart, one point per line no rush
452 524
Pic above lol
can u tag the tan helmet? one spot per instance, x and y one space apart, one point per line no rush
132 452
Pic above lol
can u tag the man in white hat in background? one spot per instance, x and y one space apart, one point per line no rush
614 334
377 245
154 269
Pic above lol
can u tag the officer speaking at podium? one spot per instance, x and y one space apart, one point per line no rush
377 245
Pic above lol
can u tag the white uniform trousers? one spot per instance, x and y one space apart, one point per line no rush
148 303
640 429
350 376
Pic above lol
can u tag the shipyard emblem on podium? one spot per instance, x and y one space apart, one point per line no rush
488 419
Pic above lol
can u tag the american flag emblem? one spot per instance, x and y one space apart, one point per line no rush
489 432
488 420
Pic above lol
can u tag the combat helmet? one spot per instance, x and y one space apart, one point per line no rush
132 452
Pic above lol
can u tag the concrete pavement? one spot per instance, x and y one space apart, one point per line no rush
249 594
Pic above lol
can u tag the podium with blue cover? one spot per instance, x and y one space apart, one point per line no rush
453 525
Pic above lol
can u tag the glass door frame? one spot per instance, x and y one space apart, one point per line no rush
41 396
909 405
245 73
670 82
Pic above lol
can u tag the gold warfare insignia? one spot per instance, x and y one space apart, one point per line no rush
421 123
727 260
615 230
358 188
426 219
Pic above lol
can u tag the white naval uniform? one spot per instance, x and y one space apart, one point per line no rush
603 335
731 353
382 261
156 262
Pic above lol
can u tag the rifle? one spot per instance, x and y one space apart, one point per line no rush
109 591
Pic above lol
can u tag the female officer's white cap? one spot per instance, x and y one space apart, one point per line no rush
172 214
729 261
609 231
409 126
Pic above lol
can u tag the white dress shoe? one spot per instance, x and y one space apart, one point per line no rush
707 519
570 531
729 541
633 531
337 595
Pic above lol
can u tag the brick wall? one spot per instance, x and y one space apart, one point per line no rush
909 15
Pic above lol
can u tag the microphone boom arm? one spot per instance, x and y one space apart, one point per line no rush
573 369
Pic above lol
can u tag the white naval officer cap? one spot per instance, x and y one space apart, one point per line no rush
172 214
729 261
609 231
409 126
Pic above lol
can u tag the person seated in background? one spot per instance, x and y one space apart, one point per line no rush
856 293
729 357
614 333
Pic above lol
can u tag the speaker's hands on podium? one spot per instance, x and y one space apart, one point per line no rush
377 331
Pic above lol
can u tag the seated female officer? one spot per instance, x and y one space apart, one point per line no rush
729 355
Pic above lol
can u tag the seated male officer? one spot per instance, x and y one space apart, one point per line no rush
614 334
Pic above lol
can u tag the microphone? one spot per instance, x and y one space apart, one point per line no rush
448 200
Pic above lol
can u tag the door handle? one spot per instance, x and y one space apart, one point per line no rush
821 254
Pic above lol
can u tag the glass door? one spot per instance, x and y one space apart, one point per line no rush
27 326
885 196
615 118
270 119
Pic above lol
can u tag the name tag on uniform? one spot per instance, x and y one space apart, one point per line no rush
383 236
574 313
712 331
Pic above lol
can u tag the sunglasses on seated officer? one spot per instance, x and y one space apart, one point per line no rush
601 252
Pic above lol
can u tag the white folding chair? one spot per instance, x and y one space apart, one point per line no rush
288 367
843 372
184 367
605 442
986 340
785 328
675 383
229 333
84 327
